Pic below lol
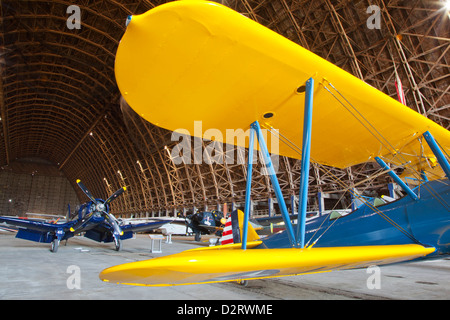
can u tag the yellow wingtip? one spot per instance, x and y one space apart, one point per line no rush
78 180
124 188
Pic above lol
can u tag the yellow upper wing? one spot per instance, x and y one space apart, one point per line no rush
189 61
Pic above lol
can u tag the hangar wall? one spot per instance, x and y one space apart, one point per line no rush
30 187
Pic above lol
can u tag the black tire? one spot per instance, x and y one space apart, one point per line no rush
118 244
243 283
55 246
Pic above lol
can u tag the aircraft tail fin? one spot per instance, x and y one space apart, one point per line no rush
232 233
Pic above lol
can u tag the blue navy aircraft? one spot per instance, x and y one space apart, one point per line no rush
206 222
94 220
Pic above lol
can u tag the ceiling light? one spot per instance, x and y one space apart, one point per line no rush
447 5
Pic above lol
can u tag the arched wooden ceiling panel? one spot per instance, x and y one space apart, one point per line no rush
59 99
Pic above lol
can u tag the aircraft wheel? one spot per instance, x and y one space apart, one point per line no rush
243 283
55 245
118 244
198 236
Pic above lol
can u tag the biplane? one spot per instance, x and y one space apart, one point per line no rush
94 220
189 61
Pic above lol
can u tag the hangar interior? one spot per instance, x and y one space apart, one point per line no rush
61 118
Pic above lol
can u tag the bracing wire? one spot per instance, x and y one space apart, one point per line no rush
386 142
297 149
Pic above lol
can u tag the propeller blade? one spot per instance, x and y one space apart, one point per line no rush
81 222
86 191
115 195
112 221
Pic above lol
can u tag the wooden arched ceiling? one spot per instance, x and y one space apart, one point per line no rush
59 100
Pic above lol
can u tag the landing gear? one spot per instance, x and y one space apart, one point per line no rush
118 243
243 283
55 245
198 236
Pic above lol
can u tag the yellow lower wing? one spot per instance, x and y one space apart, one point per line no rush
207 266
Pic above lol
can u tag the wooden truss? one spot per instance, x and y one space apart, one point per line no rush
59 100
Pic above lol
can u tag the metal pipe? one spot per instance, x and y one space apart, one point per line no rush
306 151
248 188
438 153
275 184
397 179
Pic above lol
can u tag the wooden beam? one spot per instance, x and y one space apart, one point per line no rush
338 26
4 120
100 117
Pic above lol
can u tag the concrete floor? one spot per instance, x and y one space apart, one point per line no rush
28 270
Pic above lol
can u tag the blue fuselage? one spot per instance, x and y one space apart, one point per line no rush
427 220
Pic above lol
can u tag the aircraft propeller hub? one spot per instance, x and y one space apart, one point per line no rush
100 207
